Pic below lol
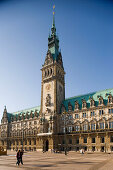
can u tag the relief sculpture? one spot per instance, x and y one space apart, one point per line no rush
48 100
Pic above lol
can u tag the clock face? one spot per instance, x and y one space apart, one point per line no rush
48 87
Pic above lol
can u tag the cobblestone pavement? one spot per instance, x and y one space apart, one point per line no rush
51 161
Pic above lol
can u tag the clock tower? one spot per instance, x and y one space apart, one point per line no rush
53 82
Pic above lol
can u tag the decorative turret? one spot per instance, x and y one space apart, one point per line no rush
5 117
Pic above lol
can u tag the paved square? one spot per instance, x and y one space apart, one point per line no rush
39 160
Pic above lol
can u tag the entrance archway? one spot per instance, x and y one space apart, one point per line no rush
47 145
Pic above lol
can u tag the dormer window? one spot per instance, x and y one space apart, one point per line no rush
69 107
83 103
92 102
100 100
110 99
63 109
76 105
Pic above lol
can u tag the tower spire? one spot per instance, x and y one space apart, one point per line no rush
53 24
53 29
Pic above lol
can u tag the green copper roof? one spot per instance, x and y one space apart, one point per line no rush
27 110
54 52
53 41
86 97
21 112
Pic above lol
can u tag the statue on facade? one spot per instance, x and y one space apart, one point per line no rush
48 100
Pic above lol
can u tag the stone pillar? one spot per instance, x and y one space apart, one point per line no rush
107 143
80 142
39 146
98 148
89 149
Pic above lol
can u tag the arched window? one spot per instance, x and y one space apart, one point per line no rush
110 99
69 107
48 72
92 102
83 103
45 73
29 142
76 105
51 70
100 100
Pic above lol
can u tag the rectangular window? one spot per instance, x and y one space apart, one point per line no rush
111 125
85 127
109 110
93 113
76 116
101 112
102 125
63 129
93 126
77 128
84 115
93 140
70 129
70 117
85 140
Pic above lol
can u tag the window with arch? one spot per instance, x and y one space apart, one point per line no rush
51 71
48 72
84 115
83 103
45 73
110 99
100 100
69 107
77 127
29 142
93 126
92 113
76 105
92 102
85 126
101 125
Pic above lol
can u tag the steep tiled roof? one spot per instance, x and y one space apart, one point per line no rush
86 97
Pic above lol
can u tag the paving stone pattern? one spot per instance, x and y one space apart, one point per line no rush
52 161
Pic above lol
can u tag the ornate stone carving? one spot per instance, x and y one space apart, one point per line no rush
49 58
48 100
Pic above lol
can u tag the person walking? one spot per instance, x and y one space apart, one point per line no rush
18 157
21 154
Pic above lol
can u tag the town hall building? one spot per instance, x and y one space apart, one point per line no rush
80 122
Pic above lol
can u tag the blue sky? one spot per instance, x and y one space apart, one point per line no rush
85 30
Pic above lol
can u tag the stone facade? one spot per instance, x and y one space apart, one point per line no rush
81 122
